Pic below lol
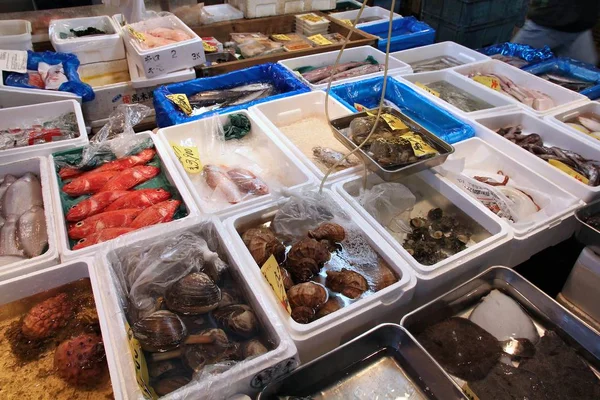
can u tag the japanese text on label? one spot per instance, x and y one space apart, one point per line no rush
181 101
320 40
272 274
139 363
428 90
189 158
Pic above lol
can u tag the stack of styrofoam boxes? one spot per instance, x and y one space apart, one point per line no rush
374 14
311 24
15 35
267 8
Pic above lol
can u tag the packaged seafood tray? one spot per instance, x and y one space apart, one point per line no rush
407 32
461 235
28 240
385 361
38 130
162 45
571 160
539 213
356 63
15 35
438 56
589 228
534 94
459 94
211 265
92 208
580 287
240 165
294 120
571 74
91 39
498 333
69 353
369 16
348 282
583 121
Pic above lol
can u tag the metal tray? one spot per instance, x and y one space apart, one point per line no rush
393 174
586 234
376 363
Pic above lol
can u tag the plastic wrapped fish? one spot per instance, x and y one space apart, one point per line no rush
458 97
435 64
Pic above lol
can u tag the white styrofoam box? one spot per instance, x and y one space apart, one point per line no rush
66 253
284 170
37 114
15 35
39 167
375 15
431 191
321 4
241 378
562 117
451 49
498 101
558 223
552 135
296 108
354 54
164 59
581 287
11 96
218 13
88 49
562 97
325 334
139 80
32 283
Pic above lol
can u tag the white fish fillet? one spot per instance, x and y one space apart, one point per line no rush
33 234
22 195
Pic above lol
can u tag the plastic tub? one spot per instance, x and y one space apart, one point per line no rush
373 14
36 114
258 8
167 166
552 135
247 377
582 283
289 173
88 49
562 117
218 13
296 108
15 35
11 96
407 32
562 97
349 55
557 223
431 191
38 166
327 333
460 53
498 101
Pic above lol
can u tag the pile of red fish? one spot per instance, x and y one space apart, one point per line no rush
114 208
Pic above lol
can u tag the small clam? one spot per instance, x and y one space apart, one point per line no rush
262 243
194 294
436 235
305 259
418 222
308 294
253 348
328 231
331 306
303 315
349 283
238 318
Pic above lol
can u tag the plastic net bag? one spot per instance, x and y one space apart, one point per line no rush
390 204
40 131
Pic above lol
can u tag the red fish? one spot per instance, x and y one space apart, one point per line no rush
157 214
142 198
94 204
216 178
69 173
120 164
130 177
247 182
98 222
90 183
102 236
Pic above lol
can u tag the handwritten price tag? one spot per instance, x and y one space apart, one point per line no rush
208 47
347 22
13 60
283 38
425 88
420 147
181 101
569 171
320 40
394 122
136 34
272 274
488 81
311 18
188 157
139 363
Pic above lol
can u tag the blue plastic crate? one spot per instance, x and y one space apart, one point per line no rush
570 67
407 32
522 51
429 115
467 13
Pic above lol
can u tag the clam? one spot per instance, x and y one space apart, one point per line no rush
238 319
308 294
303 315
331 306
253 348
222 349
228 297
306 258
262 243
193 294
165 368
349 283
328 231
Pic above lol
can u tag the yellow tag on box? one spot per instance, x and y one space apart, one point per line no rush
272 274
488 81
420 147
568 170
139 363
181 101
394 122
428 90
312 18
209 47
281 37
137 35
320 40
188 157
347 22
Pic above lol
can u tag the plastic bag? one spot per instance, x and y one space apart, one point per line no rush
525 52
390 204
40 131
156 32
69 62
569 67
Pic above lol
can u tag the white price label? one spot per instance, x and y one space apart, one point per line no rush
164 61
13 60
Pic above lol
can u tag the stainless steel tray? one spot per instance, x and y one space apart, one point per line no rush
390 174
383 353
585 233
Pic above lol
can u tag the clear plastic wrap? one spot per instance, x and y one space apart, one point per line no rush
156 32
390 204
40 131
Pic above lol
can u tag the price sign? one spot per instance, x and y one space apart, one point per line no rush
320 40
488 81
428 90
136 34
272 274
311 18
139 363
181 101
394 122
420 147
189 158
13 60
209 47
283 38
167 59
347 22
569 171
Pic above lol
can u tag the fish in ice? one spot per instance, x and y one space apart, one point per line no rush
99 222
351 73
157 214
215 99
32 232
102 236
569 82
217 179
131 177
330 157
25 193
90 183
94 204
435 64
142 198
116 165
247 182
9 238
458 97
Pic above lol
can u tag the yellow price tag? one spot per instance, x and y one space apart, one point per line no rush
425 88
488 81
468 392
569 171
347 22
420 147
181 101
272 274
311 18
209 47
139 363
394 122
283 38
319 39
136 34
188 157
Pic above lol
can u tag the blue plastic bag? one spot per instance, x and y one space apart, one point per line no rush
407 32
368 92
285 82
522 51
70 64
570 67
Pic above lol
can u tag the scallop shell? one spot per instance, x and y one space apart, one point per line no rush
308 294
347 282
306 258
328 231
193 294
262 243
303 315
